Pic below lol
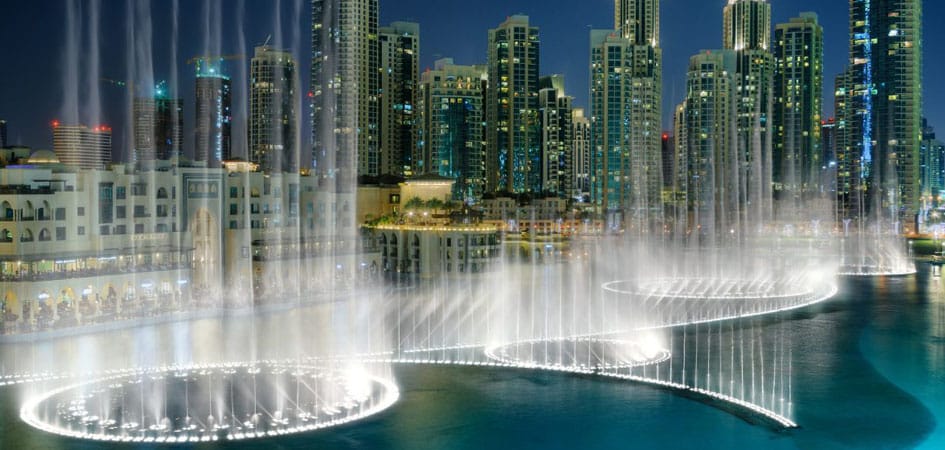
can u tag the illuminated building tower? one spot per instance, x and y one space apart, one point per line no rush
798 105
708 162
554 110
844 149
626 96
273 112
213 115
747 30
883 121
344 88
82 147
581 154
933 167
638 20
158 125
451 141
513 151
3 133
399 87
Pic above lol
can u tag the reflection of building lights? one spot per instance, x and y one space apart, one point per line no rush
43 296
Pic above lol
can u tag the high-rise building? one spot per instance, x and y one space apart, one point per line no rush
798 105
708 161
747 31
555 115
933 167
513 150
844 153
626 97
82 147
638 20
158 124
212 114
884 118
273 118
3 133
668 152
399 87
581 156
344 84
451 141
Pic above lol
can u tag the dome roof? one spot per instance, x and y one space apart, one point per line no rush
43 157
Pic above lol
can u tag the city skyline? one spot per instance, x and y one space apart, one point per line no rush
564 50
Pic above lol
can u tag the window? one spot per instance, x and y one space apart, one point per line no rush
234 225
139 189
120 193
104 230
80 211
234 192
60 233
162 210
140 211
105 203
139 228
80 231
161 193
120 212
60 213
234 209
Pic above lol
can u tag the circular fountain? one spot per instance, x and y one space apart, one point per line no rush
676 301
580 353
208 403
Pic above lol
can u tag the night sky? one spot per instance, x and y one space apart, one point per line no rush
33 39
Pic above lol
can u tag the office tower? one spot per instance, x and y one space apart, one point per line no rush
668 153
884 119
746 30
3 133
581 158
798 105
273 118
399 87
932 153
82 147
513 151
451 140
626 87
708 171
844 149
212 114
344 84
555 110
158 124
638 20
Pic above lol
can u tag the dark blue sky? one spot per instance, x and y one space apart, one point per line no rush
32 38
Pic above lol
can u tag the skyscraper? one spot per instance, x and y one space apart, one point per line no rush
399 85
3 133
933 167
158 125
884 119
798 105
581 157
513 151
626 98
82 147
554 110
344 83
451 140
747 31
708 163
273 125
212 114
